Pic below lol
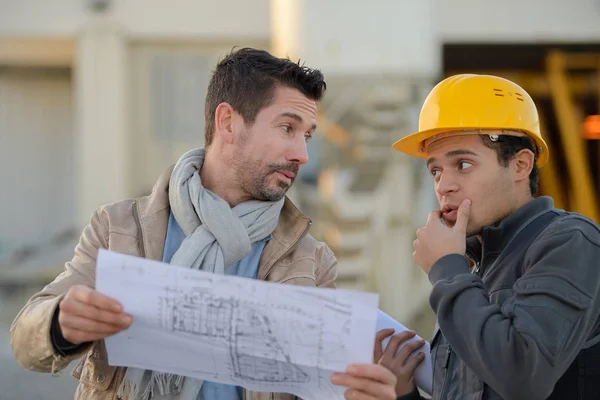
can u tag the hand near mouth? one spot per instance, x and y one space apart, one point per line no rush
437 239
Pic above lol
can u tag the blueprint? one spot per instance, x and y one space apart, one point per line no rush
262 336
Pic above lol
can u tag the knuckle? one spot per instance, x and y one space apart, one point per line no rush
63 319
382 334
405 353
414 345
83 296
419 344
89 296
413 366
402 336
97 315
77 289
66 305
107 317
360 384
369 386
396 339
115 320
72 290
384 362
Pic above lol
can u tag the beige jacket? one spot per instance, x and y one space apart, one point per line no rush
138 227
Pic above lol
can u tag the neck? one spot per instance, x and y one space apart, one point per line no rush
218 177
522 199
519 202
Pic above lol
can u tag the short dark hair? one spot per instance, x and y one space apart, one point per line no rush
247 78
507 147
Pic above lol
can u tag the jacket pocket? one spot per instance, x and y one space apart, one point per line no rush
547 308
300 280
299 272
96 373
555 287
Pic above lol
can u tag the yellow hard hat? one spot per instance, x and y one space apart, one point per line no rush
467 103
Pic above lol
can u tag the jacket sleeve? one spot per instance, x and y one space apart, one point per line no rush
30 333
414 395
522 348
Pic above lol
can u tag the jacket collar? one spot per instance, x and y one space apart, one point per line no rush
495 238
153 211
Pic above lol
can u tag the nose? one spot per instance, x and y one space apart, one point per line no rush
299 152
446 184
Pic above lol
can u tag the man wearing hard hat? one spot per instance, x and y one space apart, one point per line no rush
516 282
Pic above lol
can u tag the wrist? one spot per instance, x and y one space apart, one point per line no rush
412 395
448 266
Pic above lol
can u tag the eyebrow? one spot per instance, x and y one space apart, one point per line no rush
296 118
454 153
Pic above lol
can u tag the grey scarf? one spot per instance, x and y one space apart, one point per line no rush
217 236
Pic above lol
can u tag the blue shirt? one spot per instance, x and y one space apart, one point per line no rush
247 267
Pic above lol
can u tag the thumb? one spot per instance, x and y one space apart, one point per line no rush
462 217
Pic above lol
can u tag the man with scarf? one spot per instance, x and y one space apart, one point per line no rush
220 209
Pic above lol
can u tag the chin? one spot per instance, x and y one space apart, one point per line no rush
271 194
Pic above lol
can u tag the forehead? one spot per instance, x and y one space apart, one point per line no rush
466 142
290 99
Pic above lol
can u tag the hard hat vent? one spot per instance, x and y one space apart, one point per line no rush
501 93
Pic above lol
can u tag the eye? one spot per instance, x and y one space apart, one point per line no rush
464 165
434 172
286 128
307 137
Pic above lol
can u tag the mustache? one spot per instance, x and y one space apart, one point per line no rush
290 167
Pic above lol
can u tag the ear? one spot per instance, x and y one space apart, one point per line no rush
522 164
224 116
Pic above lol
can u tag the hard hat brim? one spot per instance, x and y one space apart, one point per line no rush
413 144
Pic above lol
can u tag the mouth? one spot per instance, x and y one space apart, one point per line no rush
449 212
288 174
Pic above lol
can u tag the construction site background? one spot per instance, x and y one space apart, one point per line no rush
97 97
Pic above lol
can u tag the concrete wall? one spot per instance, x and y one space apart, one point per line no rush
519 20
456 20
140 18
361 37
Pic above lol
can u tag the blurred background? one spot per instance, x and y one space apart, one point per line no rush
97 97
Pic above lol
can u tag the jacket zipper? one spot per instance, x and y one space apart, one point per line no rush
136 217
477 269
446 364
